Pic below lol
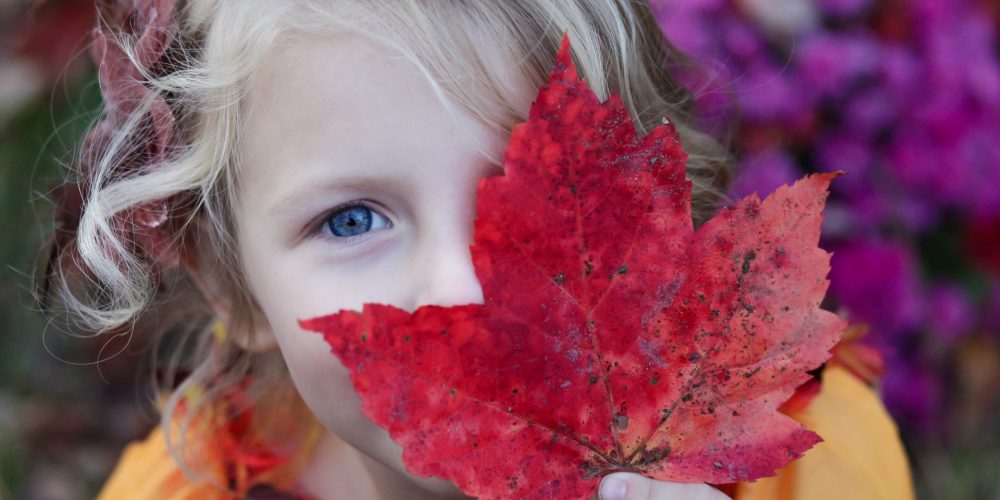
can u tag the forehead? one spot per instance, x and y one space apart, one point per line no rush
344 102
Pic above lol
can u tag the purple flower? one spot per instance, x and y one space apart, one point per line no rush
844 8
691 25
914 213
829 63
977 154
767 92
950 313
877 282
870 111
905 97
912 393
953 159
764 173
900 71
867 211
921 165
847 152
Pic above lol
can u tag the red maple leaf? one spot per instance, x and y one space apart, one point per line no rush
613 336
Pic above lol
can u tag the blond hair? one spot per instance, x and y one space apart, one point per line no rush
617 48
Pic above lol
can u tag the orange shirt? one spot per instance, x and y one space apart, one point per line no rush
861 457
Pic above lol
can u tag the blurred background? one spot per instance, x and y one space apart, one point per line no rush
904 95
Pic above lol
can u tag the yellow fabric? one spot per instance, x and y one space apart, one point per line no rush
146 470
861 456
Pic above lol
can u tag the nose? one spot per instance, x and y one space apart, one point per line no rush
446 274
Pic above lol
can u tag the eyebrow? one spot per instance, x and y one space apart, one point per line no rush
307 190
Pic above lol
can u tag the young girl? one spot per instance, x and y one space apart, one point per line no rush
264 161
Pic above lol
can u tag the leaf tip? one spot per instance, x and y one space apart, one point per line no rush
309 324
564 68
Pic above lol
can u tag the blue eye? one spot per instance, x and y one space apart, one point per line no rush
353 220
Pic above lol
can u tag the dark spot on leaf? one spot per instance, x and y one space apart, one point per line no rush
621 421
701 298
559 278
694 358
588 267
593 379
655 380
572 189
364 337
549 197
746 261
406 338
514 391
715 312
623 269
717 465
453 392
654 455
444 331
590 470
687 397
751 372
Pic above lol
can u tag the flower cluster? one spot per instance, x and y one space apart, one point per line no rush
905 97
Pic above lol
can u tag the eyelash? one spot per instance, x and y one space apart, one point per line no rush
320 226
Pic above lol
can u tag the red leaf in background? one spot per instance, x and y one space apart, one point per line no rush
613 336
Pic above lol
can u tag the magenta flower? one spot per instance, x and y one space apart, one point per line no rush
844 8
913 393
877 282
830 64
905 97
763 173
950 312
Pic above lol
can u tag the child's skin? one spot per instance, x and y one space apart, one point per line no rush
336 120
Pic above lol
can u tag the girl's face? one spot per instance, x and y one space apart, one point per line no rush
358 186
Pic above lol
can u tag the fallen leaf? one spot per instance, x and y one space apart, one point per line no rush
613 337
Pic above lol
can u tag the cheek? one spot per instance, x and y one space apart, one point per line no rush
324 383
288 289
322 380
304 283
